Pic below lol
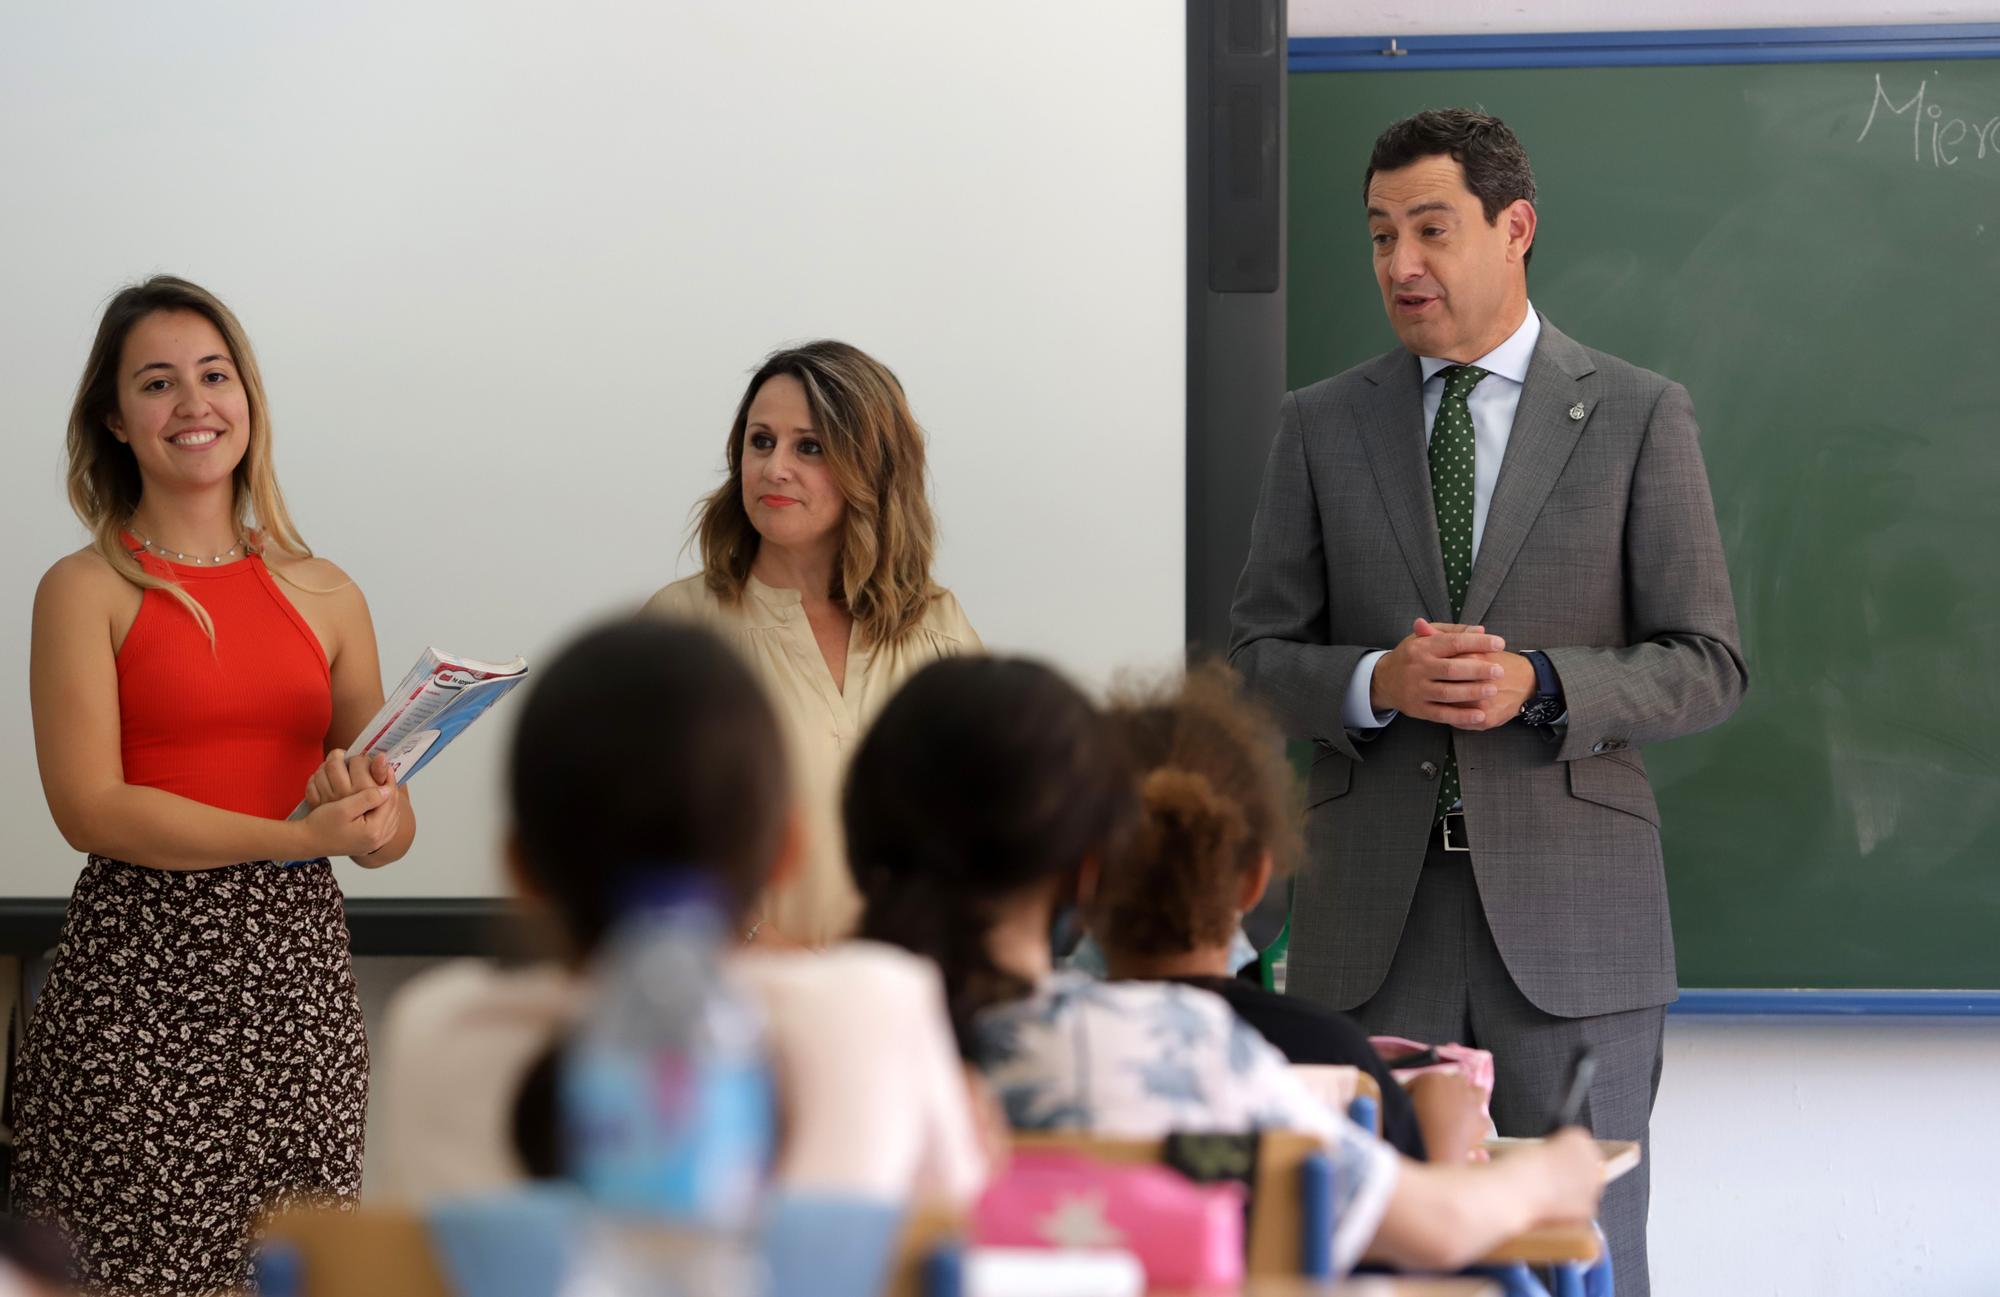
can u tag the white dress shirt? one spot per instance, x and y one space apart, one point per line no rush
1493 403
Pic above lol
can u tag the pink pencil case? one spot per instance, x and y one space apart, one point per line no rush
1185 1235
1476 1065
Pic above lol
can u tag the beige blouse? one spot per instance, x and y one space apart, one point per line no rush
822 723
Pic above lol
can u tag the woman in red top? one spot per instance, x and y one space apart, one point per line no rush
197 1054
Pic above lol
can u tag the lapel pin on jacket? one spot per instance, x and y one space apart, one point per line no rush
1576 411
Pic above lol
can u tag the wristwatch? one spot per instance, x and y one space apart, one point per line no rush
1544 706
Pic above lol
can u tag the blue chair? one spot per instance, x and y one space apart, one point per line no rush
829 1246
516 1244
1578 1264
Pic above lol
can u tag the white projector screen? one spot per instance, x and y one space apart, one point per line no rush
507 266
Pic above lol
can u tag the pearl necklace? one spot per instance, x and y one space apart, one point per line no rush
212 561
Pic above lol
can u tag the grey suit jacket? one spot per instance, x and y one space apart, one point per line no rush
1601 549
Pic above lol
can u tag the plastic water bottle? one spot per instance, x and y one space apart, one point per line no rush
666 1106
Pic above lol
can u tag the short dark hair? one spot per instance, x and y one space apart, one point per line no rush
983 778
1496 166
645 747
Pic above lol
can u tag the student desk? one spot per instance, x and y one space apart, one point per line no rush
1561 1244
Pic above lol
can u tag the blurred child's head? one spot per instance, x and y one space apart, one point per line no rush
978 795
1221 815
645 747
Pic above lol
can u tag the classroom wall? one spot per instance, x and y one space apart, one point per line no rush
1840 1158
1837 1158
507 266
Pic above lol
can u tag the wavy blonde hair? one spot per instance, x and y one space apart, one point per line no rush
104 482
875 451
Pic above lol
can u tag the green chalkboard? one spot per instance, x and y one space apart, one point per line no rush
1828 288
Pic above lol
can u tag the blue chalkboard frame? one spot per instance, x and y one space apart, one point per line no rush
1644 49
1936 41
1704 1002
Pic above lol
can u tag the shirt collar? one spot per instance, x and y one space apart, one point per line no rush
1508 360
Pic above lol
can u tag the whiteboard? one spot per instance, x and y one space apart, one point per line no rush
507 266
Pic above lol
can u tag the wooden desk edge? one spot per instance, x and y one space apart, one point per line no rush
1545 1245
1620 1155
1548 1245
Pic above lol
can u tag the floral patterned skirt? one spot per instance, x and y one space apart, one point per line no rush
196 1058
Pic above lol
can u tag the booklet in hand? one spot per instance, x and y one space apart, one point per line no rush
441 695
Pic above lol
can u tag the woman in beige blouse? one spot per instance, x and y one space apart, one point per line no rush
816 565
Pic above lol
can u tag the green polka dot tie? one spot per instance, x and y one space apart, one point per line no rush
1451 492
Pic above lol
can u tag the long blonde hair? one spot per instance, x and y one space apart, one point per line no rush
875 451
104 482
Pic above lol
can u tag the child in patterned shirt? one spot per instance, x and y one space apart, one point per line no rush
985 792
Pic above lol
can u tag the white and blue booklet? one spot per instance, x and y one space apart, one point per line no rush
441 695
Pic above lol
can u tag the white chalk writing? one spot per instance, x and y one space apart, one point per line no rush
1945 140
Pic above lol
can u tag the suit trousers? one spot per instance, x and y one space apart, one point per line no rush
1447 983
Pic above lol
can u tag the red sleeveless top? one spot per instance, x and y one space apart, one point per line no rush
240 725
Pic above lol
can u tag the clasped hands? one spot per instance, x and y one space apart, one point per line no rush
354 810
1455 675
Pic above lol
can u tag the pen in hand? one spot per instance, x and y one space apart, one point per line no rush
1582 1070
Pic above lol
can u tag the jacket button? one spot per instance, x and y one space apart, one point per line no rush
1599 747
1428 769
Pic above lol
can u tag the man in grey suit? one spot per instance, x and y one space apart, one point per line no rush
1484 574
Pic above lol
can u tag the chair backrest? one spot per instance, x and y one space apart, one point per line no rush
928 1233
813 1246
1277 1203
1344 1088
1366 1107
384 1251
829 1245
